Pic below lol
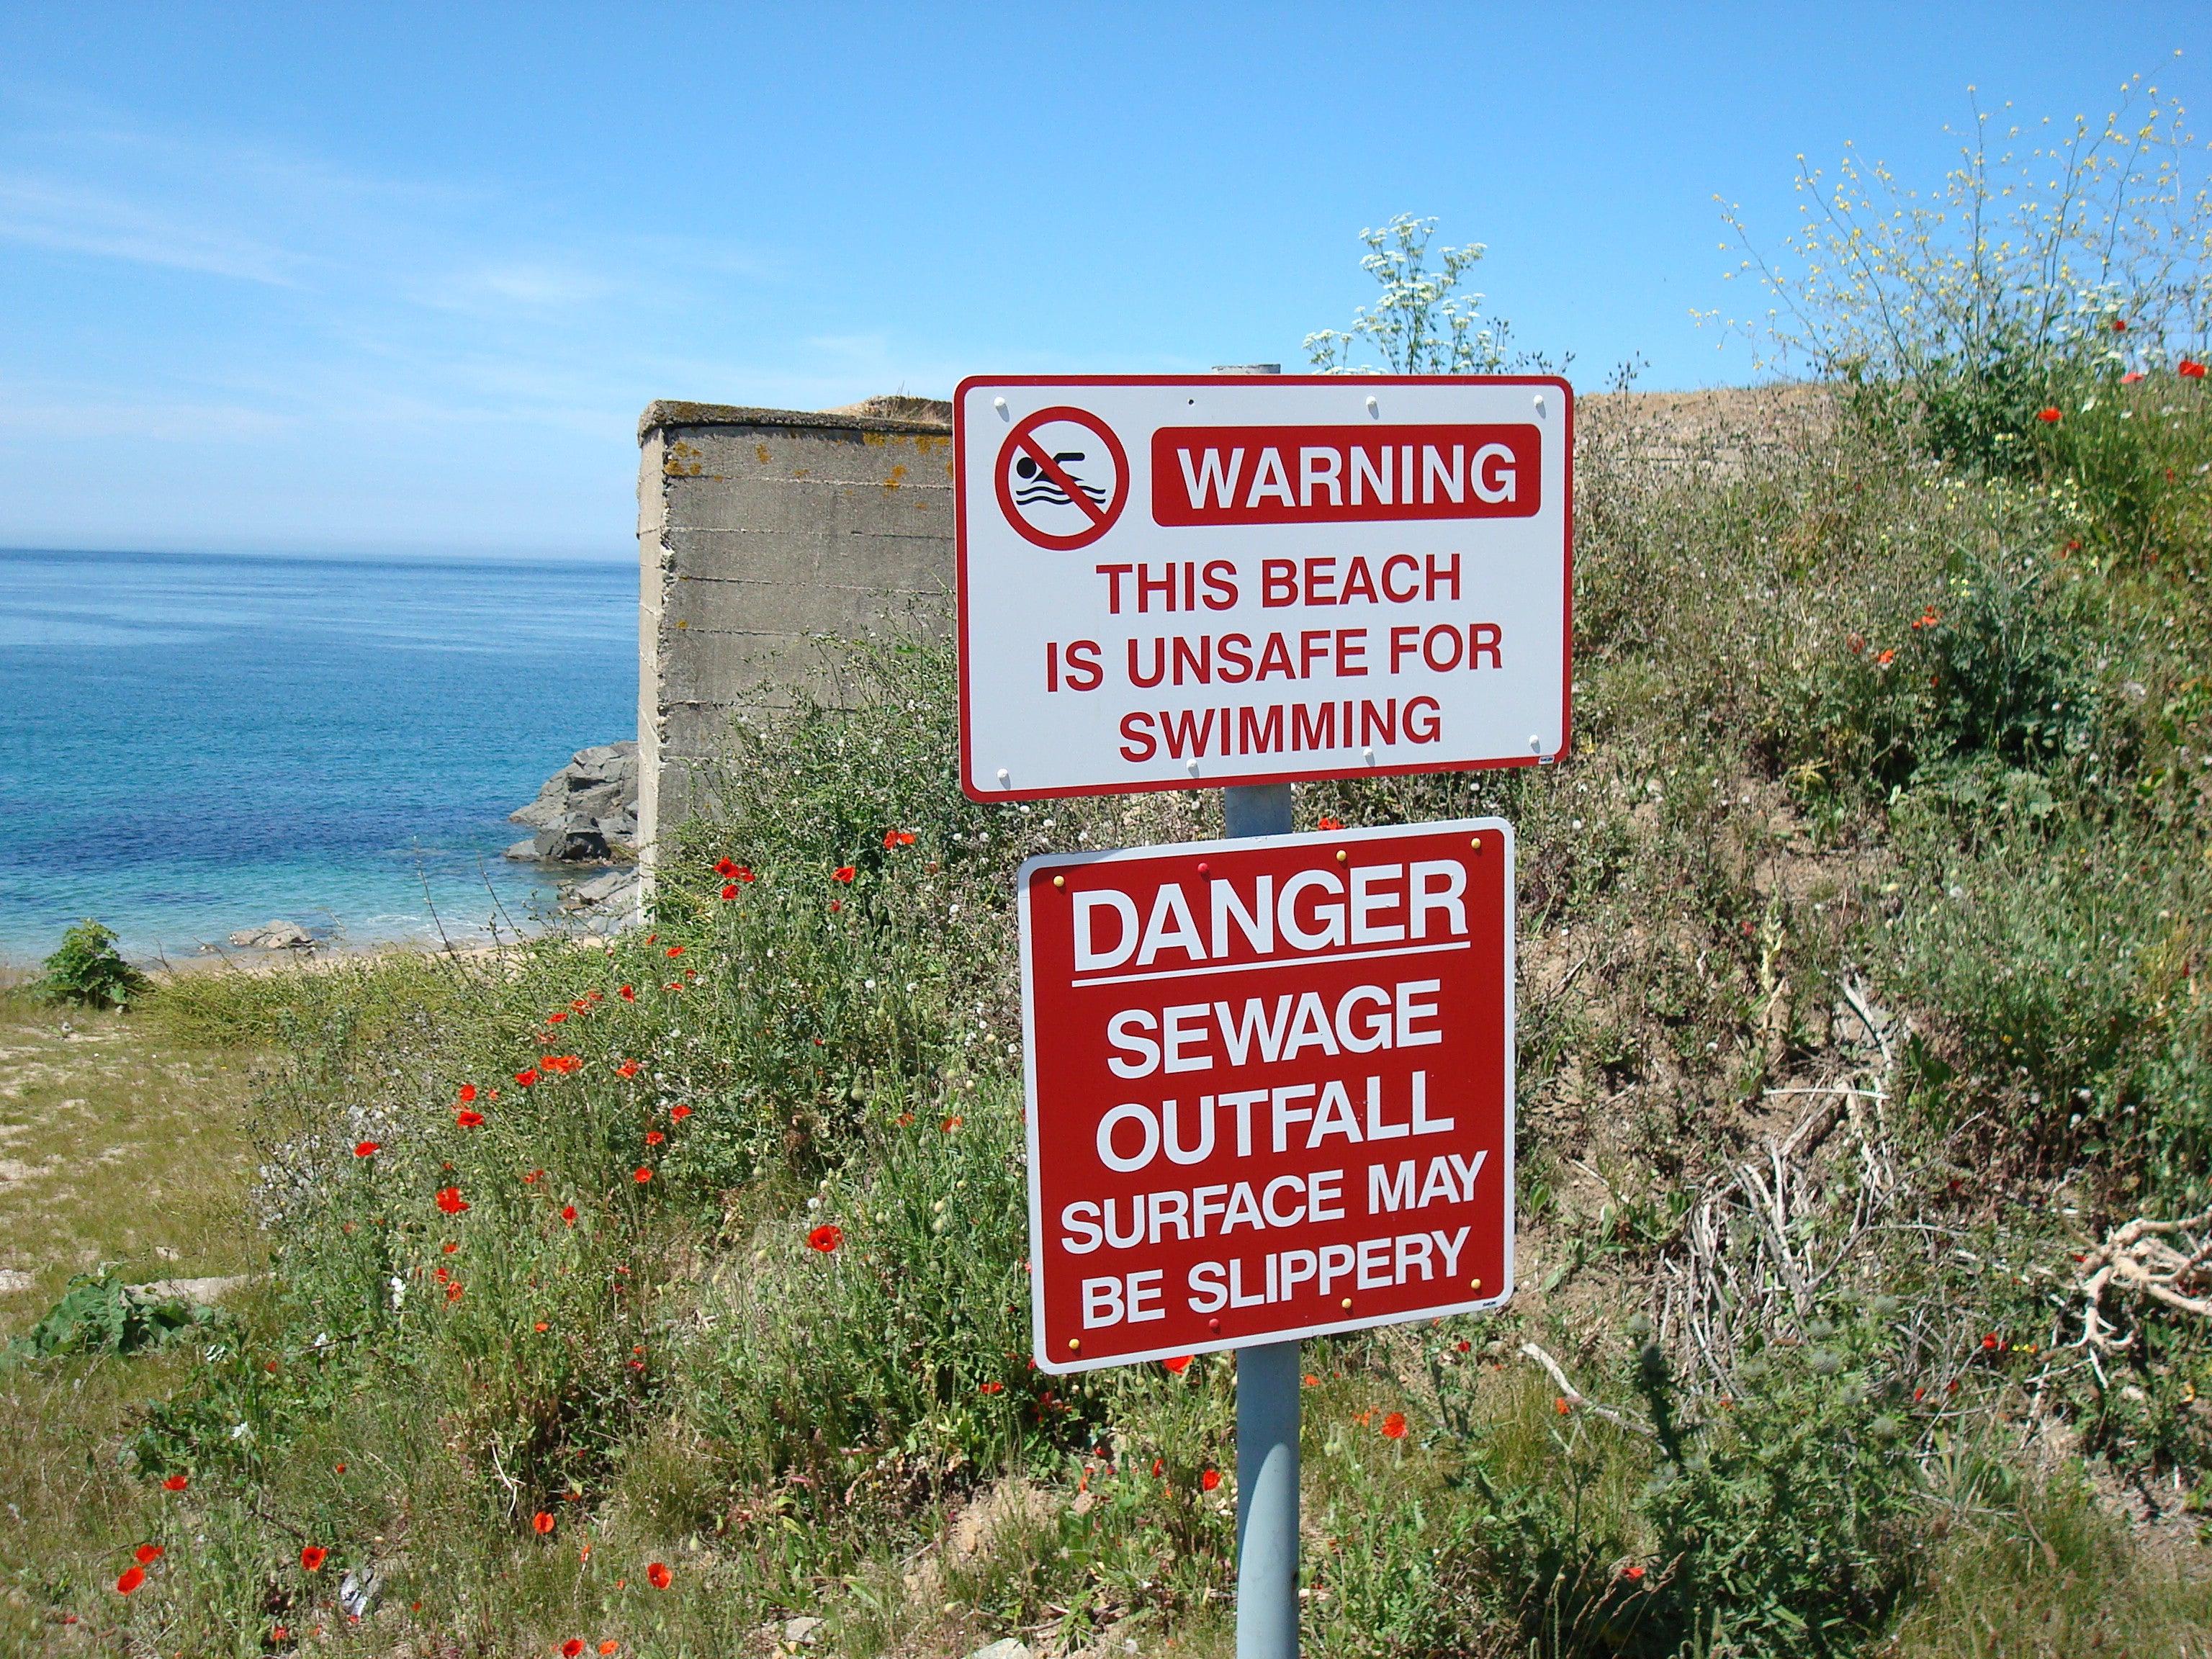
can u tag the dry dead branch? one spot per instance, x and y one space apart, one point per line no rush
2140 1258
1576 1398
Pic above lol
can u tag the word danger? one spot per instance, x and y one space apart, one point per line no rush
1336 474
1312 911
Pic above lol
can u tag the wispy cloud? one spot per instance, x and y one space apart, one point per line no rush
71 218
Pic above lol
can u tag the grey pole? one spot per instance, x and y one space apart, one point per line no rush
1267 1378
1267 1402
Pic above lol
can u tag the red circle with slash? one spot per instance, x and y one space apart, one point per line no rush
1021 441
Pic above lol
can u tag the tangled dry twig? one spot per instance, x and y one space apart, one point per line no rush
2140 1257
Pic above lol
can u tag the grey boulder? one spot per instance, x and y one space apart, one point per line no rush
274 936
598 782
571 838
523 850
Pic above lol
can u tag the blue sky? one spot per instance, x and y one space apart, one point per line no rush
399 279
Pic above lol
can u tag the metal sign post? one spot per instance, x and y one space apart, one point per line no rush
1268 1399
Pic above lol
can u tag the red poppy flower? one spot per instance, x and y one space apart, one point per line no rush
627 994
568 1213
468 1093
826 1238
176 1483
844 873
533 1177
2194 371
990 1387
679 1113
147 1554
313 1557
725 867
1632 1573
1156 1467
610 1646
1463 1345
730 891
1210 1480
628 1068
525 1078
836 905
132 1577
2120 325
1179 1365
449 1247
2048 416
468 1120
653 1137
1394 1426
1561 1407
642 1177
453 1291
365 1149
542 1523
905 1118
657 1575
675 950
1884 660
571 1648
897 838
451 1202
1328 824
2131 377
556 1016
1988 1342
566 1065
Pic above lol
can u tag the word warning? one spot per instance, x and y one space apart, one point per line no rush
1254 579
1270 1088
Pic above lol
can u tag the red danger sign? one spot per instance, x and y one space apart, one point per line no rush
1270 1088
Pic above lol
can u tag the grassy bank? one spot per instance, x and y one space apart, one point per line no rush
1859 1019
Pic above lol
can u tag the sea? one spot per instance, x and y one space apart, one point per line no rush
191 745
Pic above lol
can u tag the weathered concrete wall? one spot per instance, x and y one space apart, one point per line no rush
760 530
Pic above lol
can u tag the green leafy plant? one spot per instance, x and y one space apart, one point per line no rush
100 1314
89 972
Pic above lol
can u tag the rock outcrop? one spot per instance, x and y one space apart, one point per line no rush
274 936
586 812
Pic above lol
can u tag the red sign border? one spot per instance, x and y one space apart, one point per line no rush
1331 838
1105 519
974 791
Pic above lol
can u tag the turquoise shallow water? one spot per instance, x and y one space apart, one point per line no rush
194 744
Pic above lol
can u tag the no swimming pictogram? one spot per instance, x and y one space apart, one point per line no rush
1063 478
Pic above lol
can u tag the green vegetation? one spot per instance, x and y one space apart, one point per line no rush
88 970
651 1291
